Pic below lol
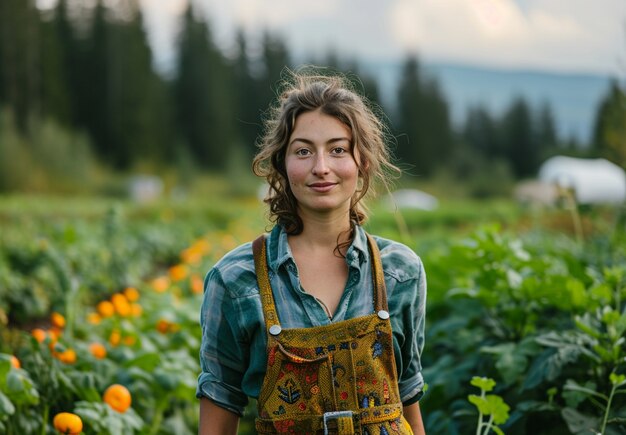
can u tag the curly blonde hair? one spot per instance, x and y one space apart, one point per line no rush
333 95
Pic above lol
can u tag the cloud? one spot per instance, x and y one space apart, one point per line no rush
550 34
575 35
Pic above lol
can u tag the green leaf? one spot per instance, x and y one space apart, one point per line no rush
148 362
498 408
479 402
616 379
571 385
6 406
579 423
485 384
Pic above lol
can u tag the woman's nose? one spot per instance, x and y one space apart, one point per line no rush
321 165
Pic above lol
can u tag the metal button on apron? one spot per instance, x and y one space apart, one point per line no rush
382 314
276 329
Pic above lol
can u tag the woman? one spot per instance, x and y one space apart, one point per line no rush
320 322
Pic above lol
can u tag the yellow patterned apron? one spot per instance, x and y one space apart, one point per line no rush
332 379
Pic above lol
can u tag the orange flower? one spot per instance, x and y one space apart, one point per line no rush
55 333
163 326
136 310
68 423
98 350
105 309
68 356
39 334
94 318
129 340
15 362
117 397
122 307
131 294
115 338
178 272
161 284
197 284
191 255
58 320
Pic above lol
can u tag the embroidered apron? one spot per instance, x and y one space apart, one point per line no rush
332 379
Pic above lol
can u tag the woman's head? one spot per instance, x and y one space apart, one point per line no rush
332 96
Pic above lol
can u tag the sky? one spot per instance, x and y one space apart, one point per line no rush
571 36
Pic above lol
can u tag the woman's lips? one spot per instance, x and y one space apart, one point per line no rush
322 187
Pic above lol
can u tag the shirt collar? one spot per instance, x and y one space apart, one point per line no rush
278 251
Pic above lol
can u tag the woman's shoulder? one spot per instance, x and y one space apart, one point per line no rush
236 270
398 259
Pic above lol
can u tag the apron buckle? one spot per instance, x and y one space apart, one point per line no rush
343 419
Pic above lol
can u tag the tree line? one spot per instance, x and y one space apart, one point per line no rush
90 69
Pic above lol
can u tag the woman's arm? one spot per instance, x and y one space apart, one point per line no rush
413 416
216 420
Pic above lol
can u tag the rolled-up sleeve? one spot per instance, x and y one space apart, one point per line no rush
406 291
411 382
223 354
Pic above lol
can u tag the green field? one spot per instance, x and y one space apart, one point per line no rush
531 298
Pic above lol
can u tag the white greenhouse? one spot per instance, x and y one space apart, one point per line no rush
593 181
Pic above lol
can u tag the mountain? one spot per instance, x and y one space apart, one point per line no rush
574 98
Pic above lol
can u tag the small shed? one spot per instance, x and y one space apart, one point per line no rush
593 181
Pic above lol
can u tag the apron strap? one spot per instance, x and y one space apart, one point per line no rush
263 279
380 291
267 298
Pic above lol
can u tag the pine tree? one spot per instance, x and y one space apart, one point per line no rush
609 135
202 94
522 150
423 125
20 75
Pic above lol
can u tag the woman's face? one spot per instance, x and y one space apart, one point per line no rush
320 164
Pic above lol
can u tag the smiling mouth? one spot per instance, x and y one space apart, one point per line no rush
322 187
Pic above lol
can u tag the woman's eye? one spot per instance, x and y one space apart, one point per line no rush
303 152
339 150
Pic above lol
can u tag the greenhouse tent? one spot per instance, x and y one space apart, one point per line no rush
592 181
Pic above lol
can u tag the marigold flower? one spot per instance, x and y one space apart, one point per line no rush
105 309
68 356
117 397
68 423
98 350
197 284
178 272
163 326
131 294
94 318
136 310
121 305
15 362
115 338
161 284
39 334
57 320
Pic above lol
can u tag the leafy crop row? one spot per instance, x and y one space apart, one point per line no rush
106 297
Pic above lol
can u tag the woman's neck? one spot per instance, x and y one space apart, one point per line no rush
323 231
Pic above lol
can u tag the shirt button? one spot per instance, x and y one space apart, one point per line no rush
276 329
382 314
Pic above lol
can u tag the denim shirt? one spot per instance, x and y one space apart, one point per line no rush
233 351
